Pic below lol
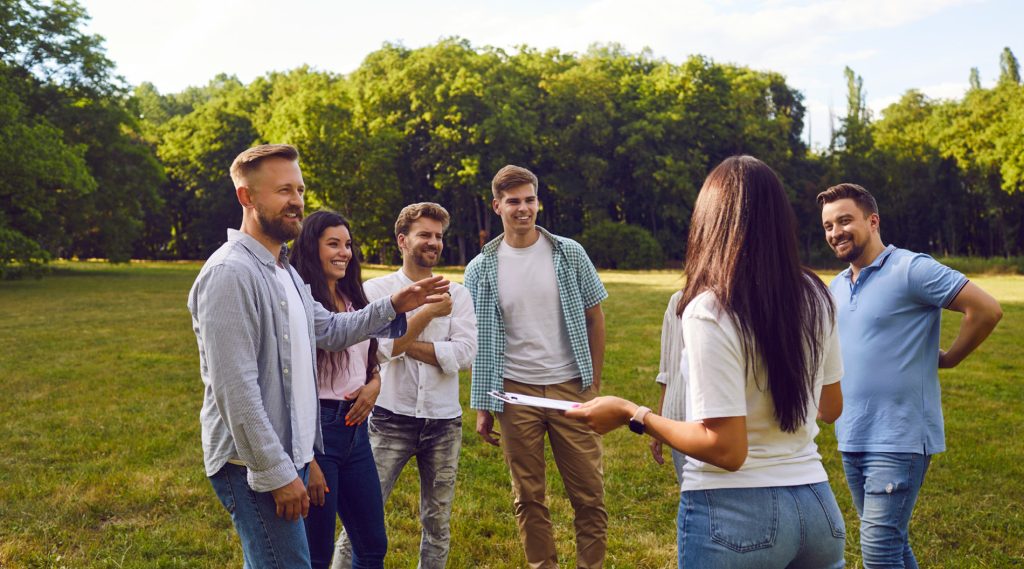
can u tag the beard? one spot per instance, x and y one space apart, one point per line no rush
853 254
278 228
419 256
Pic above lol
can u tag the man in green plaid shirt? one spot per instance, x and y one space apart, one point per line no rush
540 331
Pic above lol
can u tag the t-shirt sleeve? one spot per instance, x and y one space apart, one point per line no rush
832 356
717 382
591 288
932 283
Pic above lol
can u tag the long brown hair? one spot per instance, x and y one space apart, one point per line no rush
743 248
305 257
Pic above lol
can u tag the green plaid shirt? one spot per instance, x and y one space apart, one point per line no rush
578 287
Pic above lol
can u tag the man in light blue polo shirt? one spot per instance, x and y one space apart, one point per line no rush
889 302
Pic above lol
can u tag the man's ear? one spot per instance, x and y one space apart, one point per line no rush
244 195
401 243
875 221
494 205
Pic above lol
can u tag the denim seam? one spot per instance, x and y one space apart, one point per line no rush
686 519
231 491
800 515
832 524
263 525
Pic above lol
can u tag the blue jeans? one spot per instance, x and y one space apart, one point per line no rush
762 528
267 540
885 486
436 444
678 461
351 474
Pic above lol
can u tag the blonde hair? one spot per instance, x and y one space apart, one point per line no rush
412 212
249 160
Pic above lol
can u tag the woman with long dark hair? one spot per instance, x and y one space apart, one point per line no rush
761 358
343 479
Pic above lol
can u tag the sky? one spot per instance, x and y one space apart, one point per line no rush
895 45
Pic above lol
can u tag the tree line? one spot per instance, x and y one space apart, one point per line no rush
621 143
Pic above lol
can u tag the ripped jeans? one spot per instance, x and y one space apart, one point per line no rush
436 444
884 486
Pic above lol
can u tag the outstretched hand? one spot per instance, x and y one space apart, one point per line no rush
603 414
426 291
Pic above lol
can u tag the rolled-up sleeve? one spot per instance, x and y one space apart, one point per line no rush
227 326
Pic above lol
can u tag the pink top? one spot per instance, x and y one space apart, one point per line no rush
337 382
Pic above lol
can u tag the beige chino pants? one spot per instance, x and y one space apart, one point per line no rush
577 452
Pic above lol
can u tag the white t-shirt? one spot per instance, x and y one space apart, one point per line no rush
537 351
303 383
718 386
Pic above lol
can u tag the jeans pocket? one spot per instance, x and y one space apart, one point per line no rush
831 508
222 486
889 473
332 417
743 519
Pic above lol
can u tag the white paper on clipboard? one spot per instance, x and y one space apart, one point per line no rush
517 399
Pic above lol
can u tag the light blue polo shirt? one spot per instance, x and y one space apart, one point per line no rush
889 332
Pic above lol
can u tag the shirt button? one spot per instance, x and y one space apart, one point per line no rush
283 303
286 371
286 336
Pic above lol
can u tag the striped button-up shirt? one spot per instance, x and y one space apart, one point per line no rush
670 371
579 288
240 316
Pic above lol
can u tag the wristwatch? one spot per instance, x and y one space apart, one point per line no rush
636 424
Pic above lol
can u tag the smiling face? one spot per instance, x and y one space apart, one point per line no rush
518 209
276 192
423 244
848 229
335 253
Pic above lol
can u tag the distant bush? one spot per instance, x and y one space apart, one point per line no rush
985 265
966 265
621 246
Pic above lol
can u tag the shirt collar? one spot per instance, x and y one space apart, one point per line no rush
403 278
256 248
491 247
875 265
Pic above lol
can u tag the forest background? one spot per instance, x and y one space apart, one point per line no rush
621 142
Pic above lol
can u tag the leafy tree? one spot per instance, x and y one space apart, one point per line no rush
197 150
975 79
1009 67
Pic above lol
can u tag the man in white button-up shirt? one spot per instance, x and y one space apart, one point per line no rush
418 411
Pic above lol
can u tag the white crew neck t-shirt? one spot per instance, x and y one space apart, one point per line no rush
304 391
718 385
537 350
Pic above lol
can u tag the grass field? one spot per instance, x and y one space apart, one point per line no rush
101 466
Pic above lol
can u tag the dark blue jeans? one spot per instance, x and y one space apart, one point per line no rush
355 496
267 540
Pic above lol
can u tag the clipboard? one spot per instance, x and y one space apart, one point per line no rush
518 399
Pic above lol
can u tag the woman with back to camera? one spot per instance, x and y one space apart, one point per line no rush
343 479
761 358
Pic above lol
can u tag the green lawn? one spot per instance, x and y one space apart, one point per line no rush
101 466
